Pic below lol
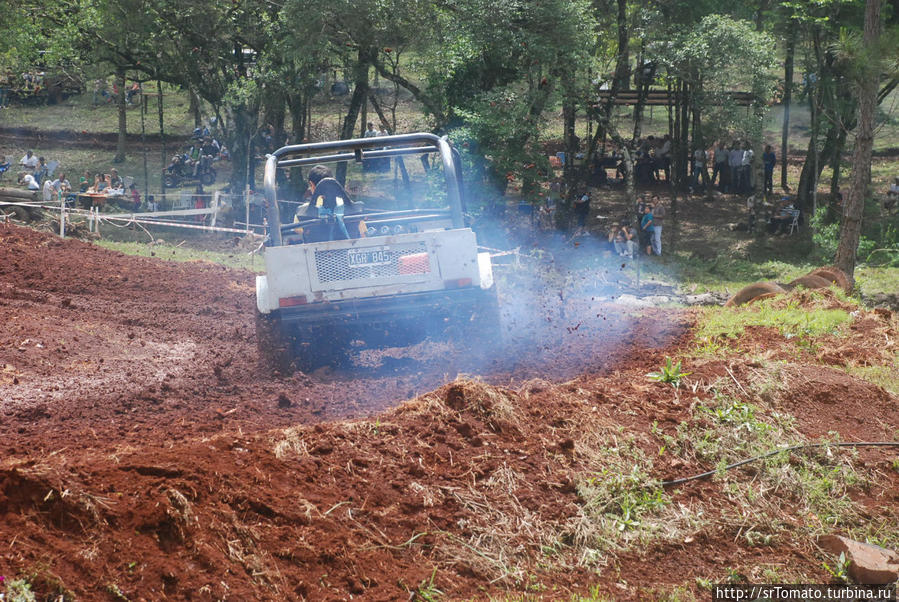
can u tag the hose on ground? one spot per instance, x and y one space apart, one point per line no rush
710 473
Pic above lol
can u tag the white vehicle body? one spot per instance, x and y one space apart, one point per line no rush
330 272
410 274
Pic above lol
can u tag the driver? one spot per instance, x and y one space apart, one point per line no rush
329 201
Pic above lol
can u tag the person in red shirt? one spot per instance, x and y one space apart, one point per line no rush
135 197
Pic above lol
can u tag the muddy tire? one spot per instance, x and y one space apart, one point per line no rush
480 328
834 276
754 292
273 347
809 281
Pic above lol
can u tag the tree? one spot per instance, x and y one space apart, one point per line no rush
868 80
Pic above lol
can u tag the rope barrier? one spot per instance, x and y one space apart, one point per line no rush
710 473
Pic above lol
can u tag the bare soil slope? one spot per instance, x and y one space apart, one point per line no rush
145 455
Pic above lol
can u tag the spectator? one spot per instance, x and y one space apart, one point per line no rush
29 161
114 180
622 239
719 172
658 214
52 189
112 189
99 184
135 197
582 209
780 221
84 182
151 203
892 195
734 162
4 165
101 91
646 229
663 157
133 91
47 190
641 207
28 181
700 160
41 172
769 159
371 132
746 169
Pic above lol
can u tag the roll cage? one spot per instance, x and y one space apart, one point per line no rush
358 150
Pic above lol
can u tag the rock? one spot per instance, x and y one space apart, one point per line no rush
632 301
704 299
868 564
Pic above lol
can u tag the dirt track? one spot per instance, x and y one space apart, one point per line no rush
145 453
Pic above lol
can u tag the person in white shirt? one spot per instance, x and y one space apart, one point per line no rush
746 169
47 190
28 181
29 161
735 160
700 158
371 132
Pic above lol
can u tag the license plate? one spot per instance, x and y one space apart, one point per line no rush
363 258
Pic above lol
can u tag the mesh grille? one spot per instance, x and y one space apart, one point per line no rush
333 265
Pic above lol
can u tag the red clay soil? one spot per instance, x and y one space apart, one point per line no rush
146 456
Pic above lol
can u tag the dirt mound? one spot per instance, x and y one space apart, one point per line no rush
753 292
834 275
809 281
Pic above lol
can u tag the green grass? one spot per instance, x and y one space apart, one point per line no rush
883 376
78 114
873 280
238 259
791 320
722 274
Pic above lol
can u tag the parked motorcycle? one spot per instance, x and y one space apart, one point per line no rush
181 170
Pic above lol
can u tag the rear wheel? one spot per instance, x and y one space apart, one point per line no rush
313 350
273 347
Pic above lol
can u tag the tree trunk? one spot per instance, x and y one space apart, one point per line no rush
360 92
165 159
123 126
787 100
275 114
194 107
569 114
850 229
244 121
836 159
297 106
622 65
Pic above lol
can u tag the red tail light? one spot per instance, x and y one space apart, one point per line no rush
460 283
292 301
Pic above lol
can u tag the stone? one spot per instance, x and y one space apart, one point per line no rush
868 564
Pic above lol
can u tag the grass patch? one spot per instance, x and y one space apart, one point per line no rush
873 280
886 376
622 505
240 260
813 484
722 274
78 113
790 320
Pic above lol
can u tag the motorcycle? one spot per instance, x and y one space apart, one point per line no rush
181 170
